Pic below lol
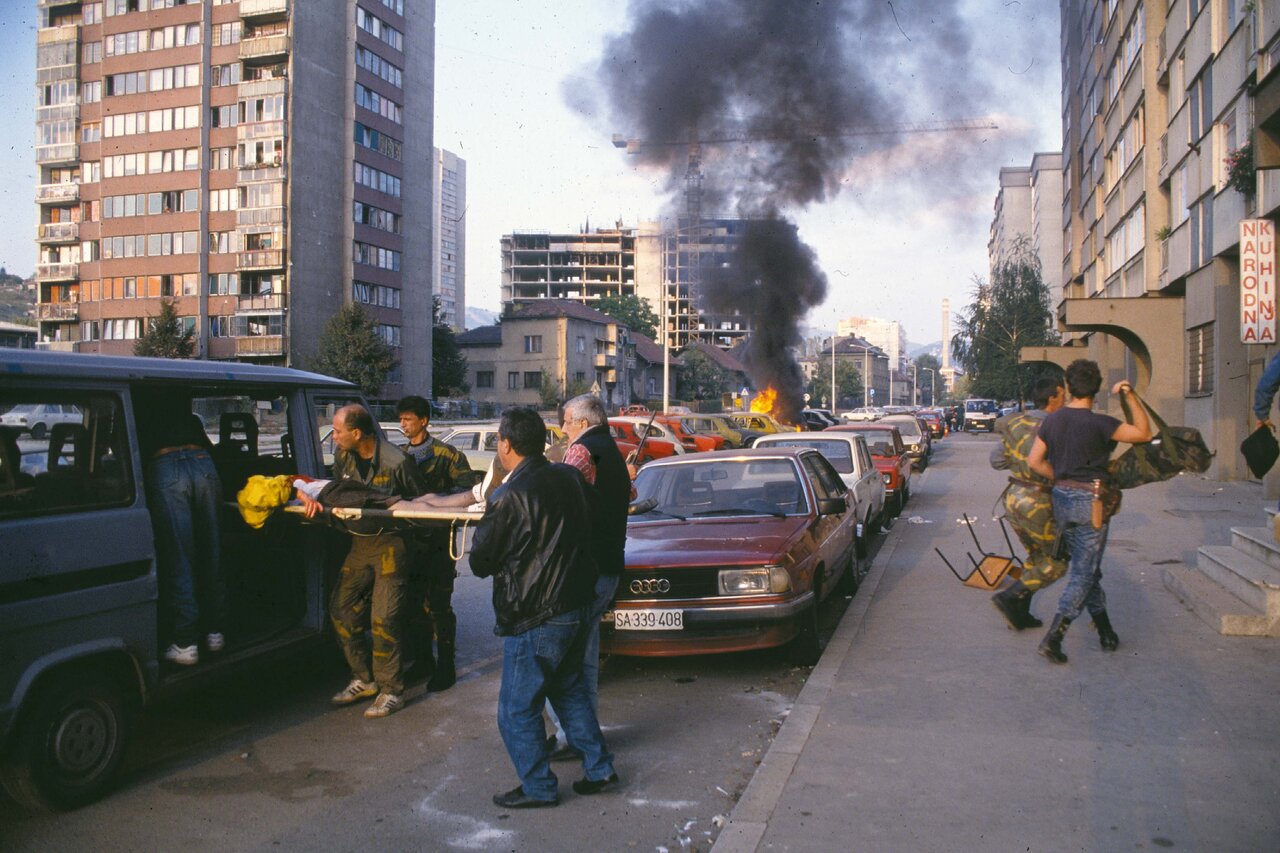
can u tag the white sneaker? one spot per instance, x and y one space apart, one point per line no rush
182 655
215 642
384 705
354 692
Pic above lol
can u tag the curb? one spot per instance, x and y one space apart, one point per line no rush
750 817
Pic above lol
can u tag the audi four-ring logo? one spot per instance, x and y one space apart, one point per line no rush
651 585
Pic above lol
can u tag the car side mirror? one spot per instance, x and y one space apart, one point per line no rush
832 506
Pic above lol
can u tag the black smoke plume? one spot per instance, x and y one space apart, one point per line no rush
782 98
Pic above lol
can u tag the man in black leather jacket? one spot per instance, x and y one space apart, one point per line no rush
533 541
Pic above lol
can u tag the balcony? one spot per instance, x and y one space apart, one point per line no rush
259 302
605 361
251 216
260 345
1268 192
263 88
263 10
262 259
57 272
253 173
58 346
58 232
262 49
52 155
260 130
57 193
58 311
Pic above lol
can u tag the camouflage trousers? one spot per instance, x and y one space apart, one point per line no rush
431 582
1030 514
365 609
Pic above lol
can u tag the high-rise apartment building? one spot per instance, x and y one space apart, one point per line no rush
658 264
888 335
450 231
1158 100
1029 205
261 162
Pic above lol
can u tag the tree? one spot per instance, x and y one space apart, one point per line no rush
165 336
1006 315
448 364
631 311
848 385
351 349
702 378
551 392
927 383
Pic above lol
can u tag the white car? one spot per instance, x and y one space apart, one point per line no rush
847 452
392 431
479 442
863 413
37 418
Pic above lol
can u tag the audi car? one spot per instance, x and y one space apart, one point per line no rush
732 551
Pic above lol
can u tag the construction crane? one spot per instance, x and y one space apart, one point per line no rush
693 179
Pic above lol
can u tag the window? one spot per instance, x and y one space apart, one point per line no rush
533 343
1201 95
1178 198
1202 231
532 379
73 456
513 381
582 345
1200 360
484 378
1228 142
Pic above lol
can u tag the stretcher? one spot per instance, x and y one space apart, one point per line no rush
399 518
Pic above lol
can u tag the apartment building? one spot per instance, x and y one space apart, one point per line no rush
261 162
549 348
449 284
1159 99
1029 205
887 335
657 263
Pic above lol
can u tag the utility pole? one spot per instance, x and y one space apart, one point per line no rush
833 374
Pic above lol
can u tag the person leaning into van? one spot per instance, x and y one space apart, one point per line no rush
445 470
184 496
372 584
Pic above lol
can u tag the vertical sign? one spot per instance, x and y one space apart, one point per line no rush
1257 281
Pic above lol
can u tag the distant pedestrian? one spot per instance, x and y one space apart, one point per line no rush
1072 448
1028 504
534 541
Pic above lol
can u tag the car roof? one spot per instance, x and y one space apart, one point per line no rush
42 363
822 435
744 454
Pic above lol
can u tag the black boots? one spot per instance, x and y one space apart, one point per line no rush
1014 604
1051 645
1106 634
444 675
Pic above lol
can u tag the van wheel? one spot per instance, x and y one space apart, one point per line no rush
805 649
69 744
38 431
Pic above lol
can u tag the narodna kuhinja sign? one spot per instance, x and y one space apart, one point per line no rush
1257 281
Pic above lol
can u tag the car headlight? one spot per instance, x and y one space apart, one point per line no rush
888 479
761 581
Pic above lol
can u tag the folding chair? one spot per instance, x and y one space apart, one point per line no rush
989 572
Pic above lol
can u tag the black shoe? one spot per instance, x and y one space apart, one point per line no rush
1025 607
566 753
587 787
516 799
1051 645
1014 603
1107 636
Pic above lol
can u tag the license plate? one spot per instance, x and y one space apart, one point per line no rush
648 620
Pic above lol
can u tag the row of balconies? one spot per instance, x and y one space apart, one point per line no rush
258 345
250 303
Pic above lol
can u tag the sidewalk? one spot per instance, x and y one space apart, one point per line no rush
928 725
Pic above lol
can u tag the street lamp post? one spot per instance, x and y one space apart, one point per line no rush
866 374
833 373
932 374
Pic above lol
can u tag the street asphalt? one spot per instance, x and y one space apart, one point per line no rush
930 725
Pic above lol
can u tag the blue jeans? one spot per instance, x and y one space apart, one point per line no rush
185 496
1073 511
606 588
545 663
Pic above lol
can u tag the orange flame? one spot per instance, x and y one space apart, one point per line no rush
765 402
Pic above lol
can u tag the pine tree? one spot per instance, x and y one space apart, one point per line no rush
165 336
351 349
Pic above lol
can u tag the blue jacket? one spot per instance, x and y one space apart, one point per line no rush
1268 383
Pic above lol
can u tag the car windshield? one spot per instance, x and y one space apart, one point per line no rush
720 487
981 406
839 453
880 442
906 425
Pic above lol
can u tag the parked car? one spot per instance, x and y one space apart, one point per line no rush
479 442
709 424
660 444
732 551
980 414
695 440
848 454
890 455
816 420
863 414
914 436
759 421
937 425
38 418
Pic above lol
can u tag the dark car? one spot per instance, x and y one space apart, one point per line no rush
732 551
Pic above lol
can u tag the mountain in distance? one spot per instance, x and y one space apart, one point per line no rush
477 317
914 351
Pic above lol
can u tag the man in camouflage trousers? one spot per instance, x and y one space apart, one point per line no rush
445 471
1028 504
366 601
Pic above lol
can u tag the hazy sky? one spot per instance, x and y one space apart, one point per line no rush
907 228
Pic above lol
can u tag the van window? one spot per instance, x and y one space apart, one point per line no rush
250 435
62 453
324 407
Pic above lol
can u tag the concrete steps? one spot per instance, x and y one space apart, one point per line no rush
1236 587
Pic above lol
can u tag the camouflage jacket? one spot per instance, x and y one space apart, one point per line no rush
444 468
1017 434
391 472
